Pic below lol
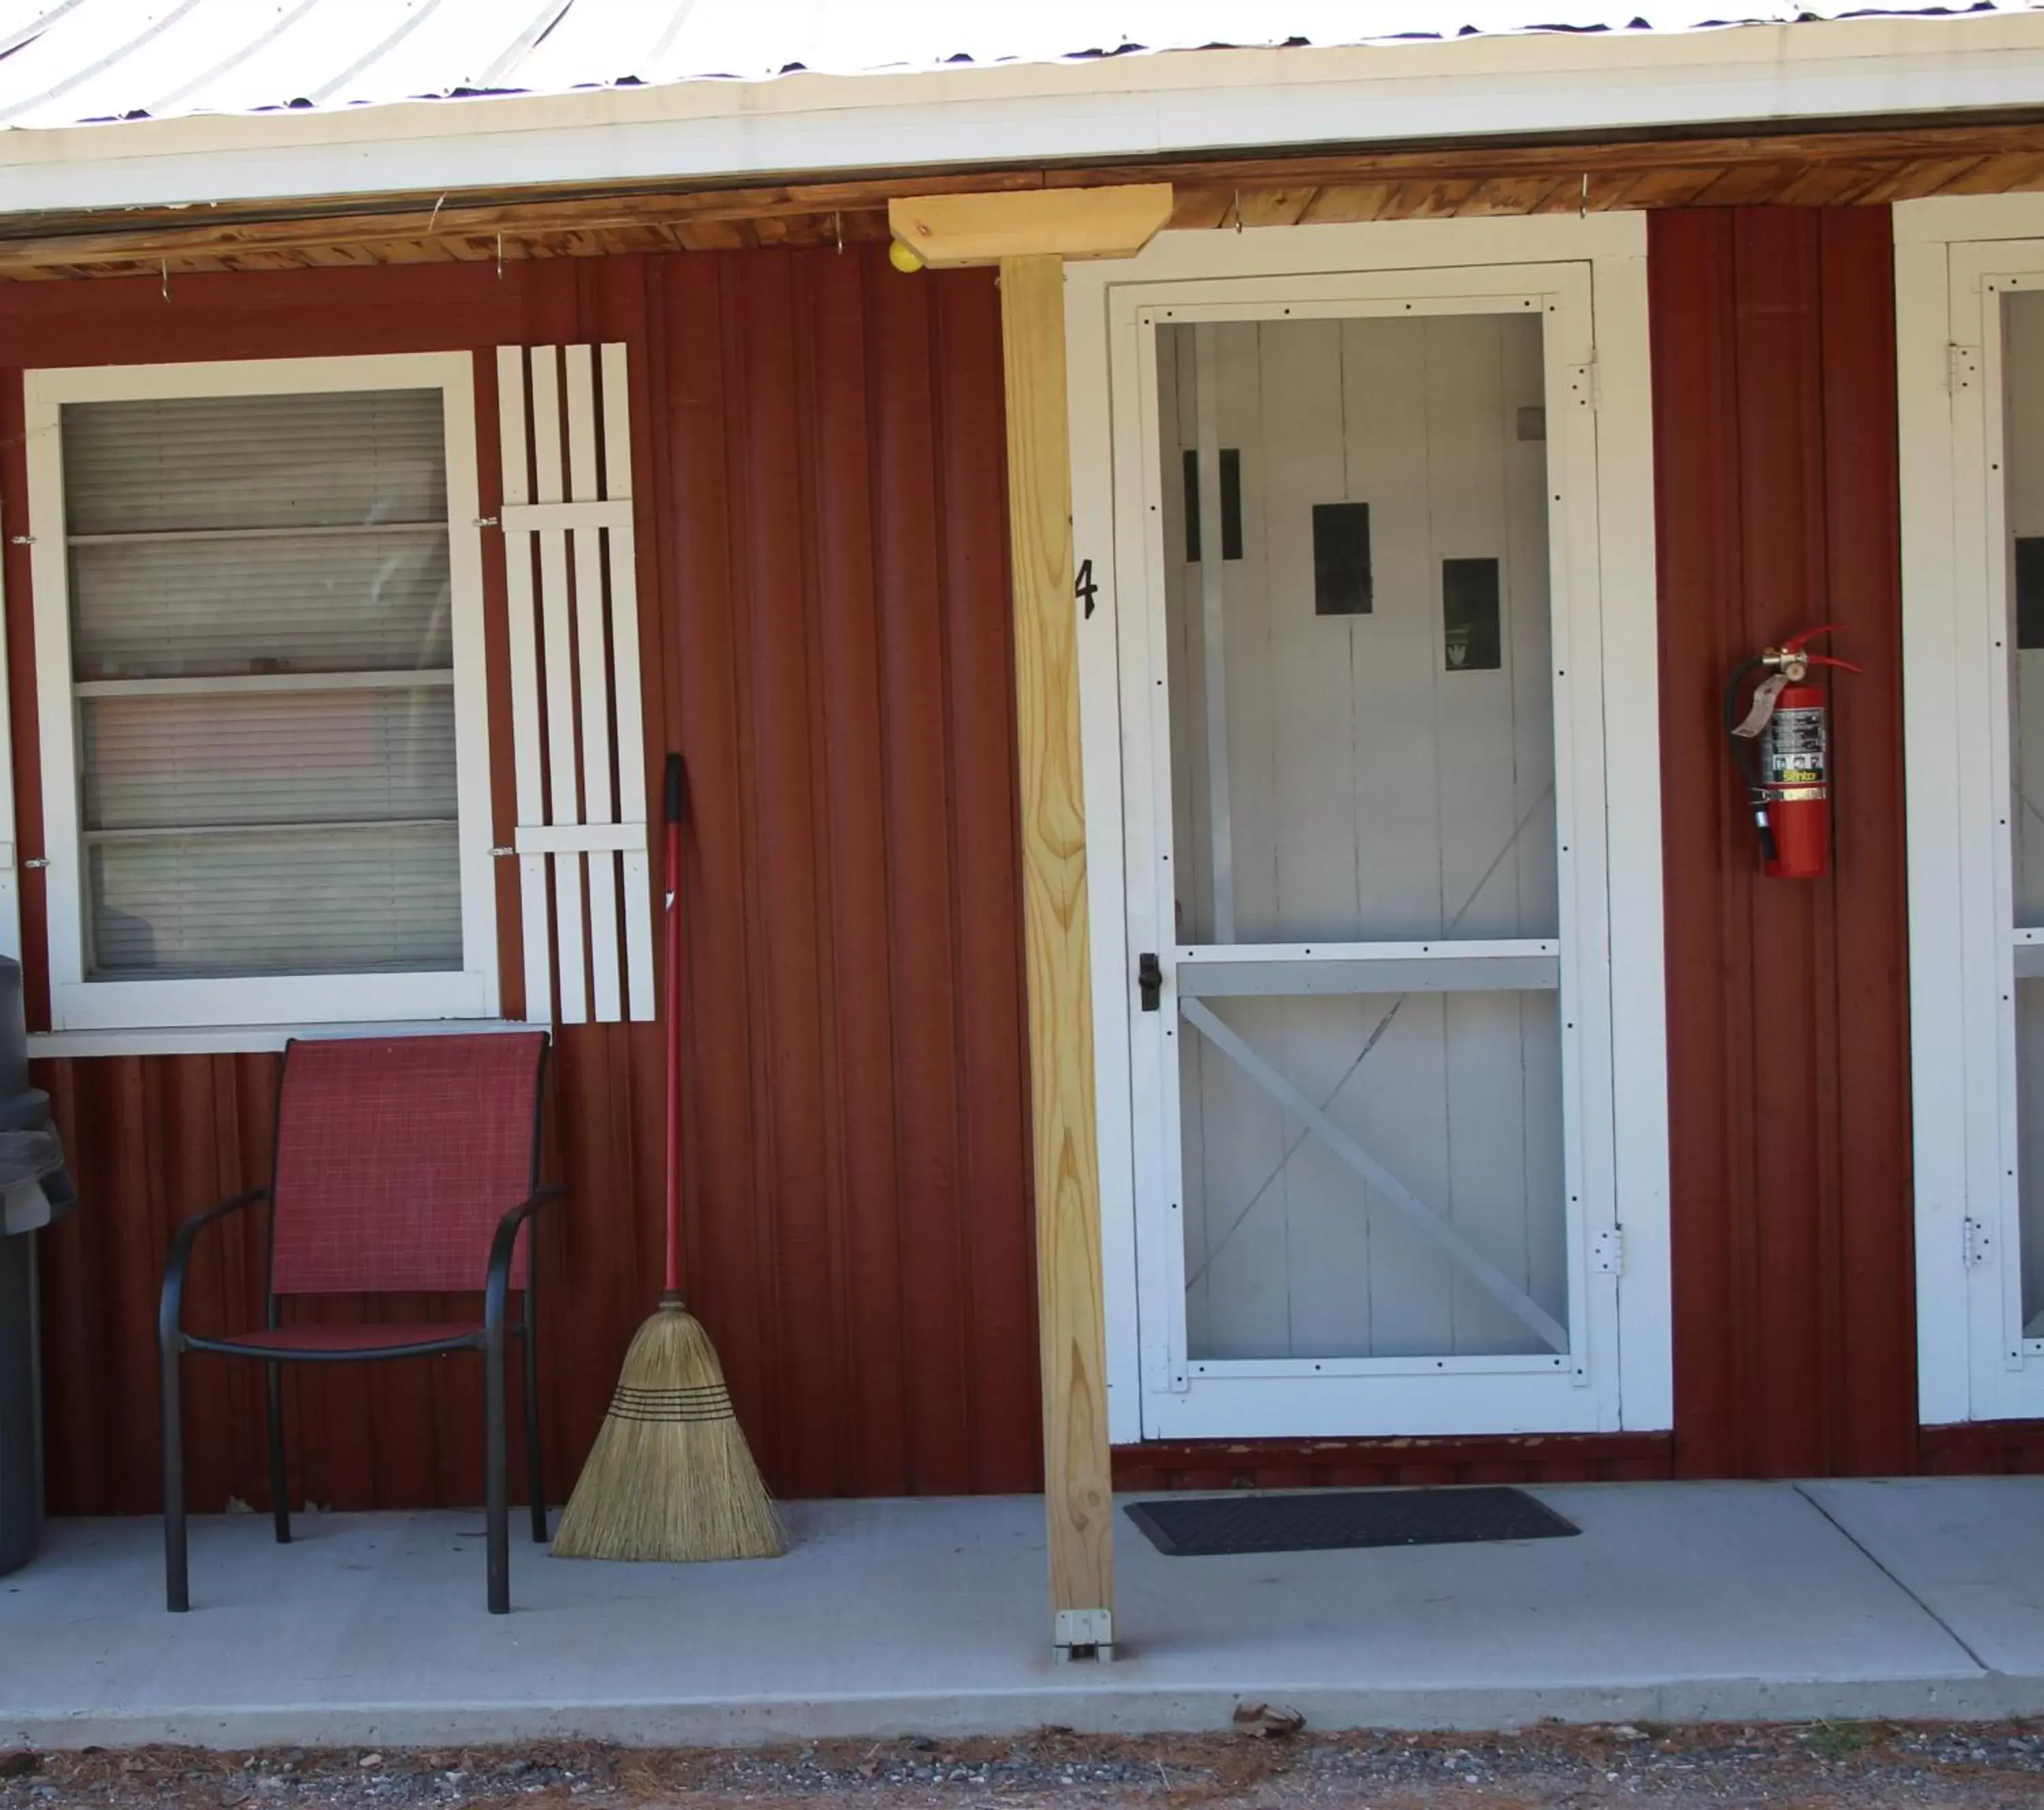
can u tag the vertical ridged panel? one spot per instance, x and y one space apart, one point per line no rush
822 536
1874 1307
1774 360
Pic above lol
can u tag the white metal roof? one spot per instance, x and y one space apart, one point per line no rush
65 62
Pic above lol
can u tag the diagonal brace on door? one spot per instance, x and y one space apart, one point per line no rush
1494 1281
1370 1043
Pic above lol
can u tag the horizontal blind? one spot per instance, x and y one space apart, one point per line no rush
317 602
378 899
157 763
336 459
261 643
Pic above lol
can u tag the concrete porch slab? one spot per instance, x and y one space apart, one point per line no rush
1678 1602
1971 1549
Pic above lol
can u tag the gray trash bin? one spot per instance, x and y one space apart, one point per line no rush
35 1190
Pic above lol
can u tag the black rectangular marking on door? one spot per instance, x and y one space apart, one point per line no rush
2030 590
1471 641
1325 1520
1231 504
1342 584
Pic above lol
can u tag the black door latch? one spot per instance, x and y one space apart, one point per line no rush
1149 980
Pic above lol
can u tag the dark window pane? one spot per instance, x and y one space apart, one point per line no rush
1341 560
2030 591
1469 616
1231 504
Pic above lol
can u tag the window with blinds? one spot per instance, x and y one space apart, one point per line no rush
262 662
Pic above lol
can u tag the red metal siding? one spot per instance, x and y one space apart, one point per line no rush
1775 465
824 608
820 452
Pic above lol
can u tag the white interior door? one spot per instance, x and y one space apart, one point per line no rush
1370 1013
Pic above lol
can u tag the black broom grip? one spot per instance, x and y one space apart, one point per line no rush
677 789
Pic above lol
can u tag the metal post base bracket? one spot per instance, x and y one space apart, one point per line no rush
1082 1634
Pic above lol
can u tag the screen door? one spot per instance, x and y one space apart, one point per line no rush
2022 620
1355 890
1999 410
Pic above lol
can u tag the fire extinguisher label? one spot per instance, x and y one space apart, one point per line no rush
1795 749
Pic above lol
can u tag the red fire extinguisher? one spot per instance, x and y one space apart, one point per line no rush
1783 746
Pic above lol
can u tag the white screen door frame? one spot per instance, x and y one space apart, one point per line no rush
1955 262
1587 277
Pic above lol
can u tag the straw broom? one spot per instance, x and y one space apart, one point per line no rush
669 1477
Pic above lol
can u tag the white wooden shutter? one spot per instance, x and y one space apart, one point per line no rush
576 716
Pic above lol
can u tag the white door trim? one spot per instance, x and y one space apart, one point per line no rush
1628 1144
1974 1362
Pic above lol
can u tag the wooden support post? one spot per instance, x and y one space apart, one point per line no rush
1077 1488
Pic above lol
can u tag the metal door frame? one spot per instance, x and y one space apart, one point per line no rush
1153 1392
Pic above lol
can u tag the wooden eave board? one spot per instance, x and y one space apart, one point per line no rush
1834 167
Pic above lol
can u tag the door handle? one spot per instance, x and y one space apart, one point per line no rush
1149 980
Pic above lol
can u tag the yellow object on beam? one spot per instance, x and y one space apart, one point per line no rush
1112 222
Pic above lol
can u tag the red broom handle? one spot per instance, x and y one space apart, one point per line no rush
676 787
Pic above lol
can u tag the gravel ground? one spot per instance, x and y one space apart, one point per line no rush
1853 1765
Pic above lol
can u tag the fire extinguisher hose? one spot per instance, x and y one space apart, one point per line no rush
1744 753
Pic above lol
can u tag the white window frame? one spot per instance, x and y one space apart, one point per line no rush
78 1004
1629 1141
1953 259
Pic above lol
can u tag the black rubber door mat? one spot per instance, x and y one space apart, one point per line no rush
1327 1520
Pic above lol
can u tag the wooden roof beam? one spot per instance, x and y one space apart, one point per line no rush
947 230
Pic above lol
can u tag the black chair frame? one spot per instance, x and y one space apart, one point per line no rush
490 1338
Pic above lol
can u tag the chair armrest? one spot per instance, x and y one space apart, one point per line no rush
169 1312
498 1284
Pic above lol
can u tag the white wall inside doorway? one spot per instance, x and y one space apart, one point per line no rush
1375 785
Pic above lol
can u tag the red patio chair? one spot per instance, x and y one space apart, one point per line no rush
403 1165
